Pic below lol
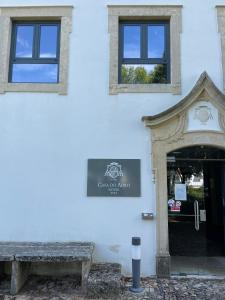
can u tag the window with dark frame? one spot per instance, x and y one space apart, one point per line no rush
34 54
144 56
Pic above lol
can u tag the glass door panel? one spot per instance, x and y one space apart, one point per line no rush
186 208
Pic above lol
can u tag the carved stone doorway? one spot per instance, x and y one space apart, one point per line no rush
199 119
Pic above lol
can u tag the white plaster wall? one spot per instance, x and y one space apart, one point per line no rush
46 139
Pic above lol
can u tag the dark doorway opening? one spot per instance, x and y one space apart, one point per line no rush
196 207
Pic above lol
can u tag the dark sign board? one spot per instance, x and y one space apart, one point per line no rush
114 177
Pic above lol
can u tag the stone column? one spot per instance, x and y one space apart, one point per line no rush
160 165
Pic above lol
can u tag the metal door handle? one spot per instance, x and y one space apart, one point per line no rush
196 210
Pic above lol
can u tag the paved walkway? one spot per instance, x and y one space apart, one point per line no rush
165 289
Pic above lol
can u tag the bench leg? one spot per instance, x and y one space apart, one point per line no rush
2 264
20 272
86 265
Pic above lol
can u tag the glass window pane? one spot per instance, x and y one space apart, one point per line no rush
132 42
24 40
156 41
35 73
48 41
143 74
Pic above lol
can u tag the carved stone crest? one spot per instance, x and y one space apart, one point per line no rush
203 114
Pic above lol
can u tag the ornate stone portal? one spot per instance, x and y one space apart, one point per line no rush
199 119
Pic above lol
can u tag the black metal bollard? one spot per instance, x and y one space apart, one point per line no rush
136 265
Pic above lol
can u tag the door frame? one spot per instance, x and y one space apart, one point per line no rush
169 132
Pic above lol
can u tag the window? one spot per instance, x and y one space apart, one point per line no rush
221 27
35 52
144 49
144 52
34 48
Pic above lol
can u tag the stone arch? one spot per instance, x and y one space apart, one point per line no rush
199 119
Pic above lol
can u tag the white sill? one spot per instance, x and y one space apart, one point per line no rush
59 88
145 88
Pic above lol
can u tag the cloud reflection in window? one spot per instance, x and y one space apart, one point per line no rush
38 73
24 41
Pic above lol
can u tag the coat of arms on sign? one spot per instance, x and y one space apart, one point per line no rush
114 170
203 114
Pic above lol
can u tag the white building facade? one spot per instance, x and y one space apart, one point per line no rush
49 131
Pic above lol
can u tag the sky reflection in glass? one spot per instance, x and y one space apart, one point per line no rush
48 41
132 41
41 73
24 41
156 41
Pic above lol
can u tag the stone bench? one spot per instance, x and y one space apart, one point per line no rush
104 281
21 255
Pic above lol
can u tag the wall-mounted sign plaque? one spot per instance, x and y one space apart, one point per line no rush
114 177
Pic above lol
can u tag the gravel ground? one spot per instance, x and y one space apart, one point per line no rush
179 288
68 288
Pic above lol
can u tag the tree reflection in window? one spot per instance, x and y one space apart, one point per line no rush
144 52
143 74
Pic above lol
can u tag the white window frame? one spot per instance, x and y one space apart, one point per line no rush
145 12
35 13
221 30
